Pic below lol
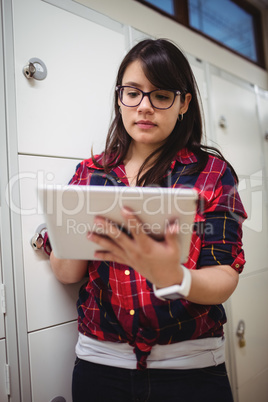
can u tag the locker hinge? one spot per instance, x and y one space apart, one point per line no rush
3 298
7 379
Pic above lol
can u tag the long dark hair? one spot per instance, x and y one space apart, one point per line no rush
165 66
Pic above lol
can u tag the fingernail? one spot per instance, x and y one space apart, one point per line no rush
126 210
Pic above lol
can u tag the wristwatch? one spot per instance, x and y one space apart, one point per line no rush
175 291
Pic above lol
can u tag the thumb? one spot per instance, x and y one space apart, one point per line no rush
172 232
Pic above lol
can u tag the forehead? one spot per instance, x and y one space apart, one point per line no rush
135 76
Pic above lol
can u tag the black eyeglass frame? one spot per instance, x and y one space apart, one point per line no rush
119 88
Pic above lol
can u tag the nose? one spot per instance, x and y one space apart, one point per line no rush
145 104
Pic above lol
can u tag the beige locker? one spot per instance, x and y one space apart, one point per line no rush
52 359
251 361
3 394
238 134
52 124
69 111
3 303
48 302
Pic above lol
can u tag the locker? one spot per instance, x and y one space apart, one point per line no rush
236 125
2 292
70 110
237 131
251 361
52 359
55 123
198 68
263 116
3 393
48 302
247 393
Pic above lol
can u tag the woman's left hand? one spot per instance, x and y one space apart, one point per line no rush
157 261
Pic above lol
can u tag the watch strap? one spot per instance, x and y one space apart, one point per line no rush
176 291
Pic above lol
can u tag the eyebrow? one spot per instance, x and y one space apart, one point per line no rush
132 84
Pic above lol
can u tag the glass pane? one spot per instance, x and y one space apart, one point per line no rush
165 5
226 22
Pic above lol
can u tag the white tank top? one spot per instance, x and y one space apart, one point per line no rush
197 353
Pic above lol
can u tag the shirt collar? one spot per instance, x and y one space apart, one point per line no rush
90 164
184 156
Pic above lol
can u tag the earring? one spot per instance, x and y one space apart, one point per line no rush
180 117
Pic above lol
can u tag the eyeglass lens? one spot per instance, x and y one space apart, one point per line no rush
161 99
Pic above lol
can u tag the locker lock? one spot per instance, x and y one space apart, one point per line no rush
37 241
223 122
36 69
241 334
40 239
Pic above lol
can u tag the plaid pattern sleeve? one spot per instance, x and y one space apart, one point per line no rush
117 304
223 213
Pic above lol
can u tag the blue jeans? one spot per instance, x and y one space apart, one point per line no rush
98 383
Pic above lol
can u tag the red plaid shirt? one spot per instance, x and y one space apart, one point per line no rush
117 304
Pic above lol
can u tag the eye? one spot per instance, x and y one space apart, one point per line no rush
132 93
163 95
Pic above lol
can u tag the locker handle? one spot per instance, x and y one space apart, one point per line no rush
41 240
241 333
36 69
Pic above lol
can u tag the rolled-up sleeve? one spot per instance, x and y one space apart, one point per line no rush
222 235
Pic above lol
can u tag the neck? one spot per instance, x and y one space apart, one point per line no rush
139 152
136 155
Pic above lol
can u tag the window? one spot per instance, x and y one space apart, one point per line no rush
166 5
235 24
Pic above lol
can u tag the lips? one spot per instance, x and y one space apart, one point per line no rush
145 124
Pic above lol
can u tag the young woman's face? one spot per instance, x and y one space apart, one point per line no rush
144 123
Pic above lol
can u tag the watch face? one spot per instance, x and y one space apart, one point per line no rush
170 293
173 296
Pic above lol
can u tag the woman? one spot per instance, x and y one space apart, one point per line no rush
156 139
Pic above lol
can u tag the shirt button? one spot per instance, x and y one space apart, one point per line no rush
237 265
132 312
127 272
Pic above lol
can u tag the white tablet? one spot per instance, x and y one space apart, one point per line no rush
70 211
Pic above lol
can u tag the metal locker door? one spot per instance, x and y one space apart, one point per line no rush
237 128
199 70
236 124
3 394
52 356
238 135
2 297
263 115
251 361
61 116
69 111
48 302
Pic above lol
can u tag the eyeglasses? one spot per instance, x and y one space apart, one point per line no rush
159 98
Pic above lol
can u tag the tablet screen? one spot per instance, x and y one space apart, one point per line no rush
70 211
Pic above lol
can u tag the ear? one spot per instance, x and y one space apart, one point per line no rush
185 104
